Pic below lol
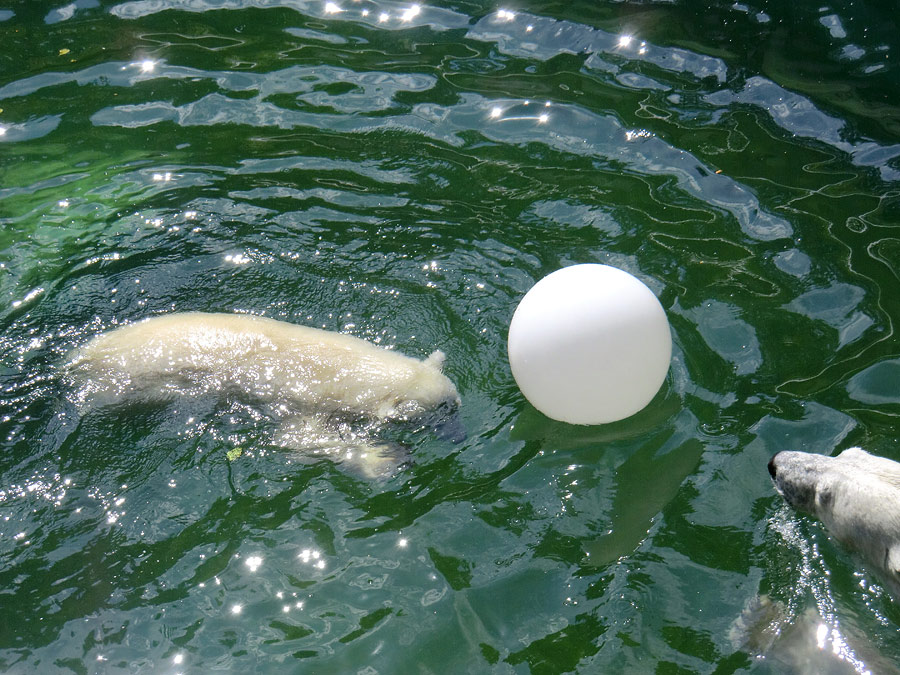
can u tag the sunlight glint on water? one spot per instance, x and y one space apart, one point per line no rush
405 172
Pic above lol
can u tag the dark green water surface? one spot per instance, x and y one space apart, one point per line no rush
405 173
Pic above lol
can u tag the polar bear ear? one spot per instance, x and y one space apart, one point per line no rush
436 360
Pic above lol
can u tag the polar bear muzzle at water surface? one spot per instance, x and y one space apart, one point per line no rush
856 496
294 371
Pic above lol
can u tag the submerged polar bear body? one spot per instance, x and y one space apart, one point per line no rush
856 496
304 369
299 373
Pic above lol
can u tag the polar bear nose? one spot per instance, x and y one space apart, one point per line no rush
772 470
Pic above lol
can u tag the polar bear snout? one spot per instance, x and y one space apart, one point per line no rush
795 475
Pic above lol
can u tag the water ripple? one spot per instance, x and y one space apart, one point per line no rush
405 173
801 117
542 38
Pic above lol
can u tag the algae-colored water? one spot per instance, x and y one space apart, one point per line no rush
405 173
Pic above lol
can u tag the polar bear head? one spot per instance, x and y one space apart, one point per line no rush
418 388
810 482
419 392
856 496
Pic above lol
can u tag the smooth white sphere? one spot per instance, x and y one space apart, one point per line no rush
589 344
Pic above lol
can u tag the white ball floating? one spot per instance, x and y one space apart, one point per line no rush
589 344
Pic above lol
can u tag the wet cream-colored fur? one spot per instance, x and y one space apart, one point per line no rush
296 372
857 497
303 368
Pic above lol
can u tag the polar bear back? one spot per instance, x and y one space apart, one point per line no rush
296 366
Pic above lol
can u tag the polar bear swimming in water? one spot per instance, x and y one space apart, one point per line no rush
857 497
319 383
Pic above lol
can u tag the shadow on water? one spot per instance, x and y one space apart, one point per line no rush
647 477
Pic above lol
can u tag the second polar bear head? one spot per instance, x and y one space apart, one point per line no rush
856 496
812 483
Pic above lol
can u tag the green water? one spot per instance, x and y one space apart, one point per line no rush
406 177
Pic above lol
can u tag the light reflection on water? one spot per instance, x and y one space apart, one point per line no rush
405 172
